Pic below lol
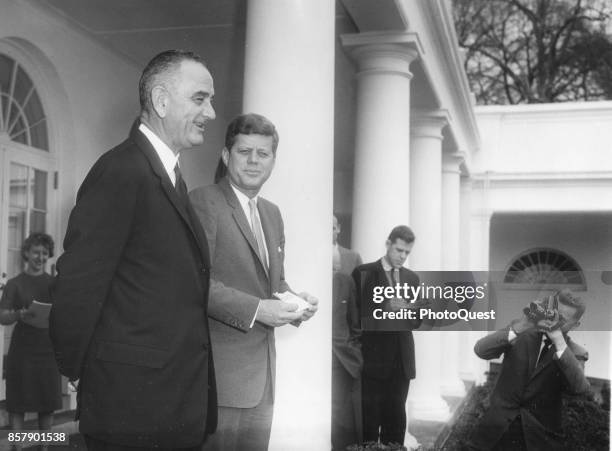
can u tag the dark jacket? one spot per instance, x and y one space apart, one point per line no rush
393 340
129 317
532 391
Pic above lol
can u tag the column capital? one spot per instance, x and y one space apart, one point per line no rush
451 162
383 53
428 124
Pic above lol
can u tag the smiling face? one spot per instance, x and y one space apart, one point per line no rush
186 105
249 162
36 258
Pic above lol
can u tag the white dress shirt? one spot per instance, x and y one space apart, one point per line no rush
168 158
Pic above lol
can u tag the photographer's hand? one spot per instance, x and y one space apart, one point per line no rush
555 335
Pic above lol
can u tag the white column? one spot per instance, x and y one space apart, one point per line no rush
382 142
425 400
479 237
289 78
467 357
451 385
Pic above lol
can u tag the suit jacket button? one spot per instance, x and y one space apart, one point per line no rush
204 270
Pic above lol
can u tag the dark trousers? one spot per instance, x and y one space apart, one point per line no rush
384 407
97 445
346 407
244 429
513 439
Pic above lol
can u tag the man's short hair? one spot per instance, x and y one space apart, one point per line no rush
250 124
163 65
401 232
568 298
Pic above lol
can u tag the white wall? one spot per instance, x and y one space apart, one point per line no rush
97 91
549 138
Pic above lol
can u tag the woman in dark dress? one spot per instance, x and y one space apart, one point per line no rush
33 382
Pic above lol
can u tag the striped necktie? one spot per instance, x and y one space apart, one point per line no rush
257 231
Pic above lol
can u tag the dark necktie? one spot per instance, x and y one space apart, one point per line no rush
394 276
544 349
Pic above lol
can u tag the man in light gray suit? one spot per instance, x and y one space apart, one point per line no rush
246 239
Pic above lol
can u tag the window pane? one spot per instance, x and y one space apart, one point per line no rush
6 70
37 221
16 228
38 135
23 113
14 263
22 86
18 131
18 190
39 190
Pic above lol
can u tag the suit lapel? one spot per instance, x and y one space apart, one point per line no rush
272 237
158 169
533 350
240 218
382 275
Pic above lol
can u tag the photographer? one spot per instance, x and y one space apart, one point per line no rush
540 362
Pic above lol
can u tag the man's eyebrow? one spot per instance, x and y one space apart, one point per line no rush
202 94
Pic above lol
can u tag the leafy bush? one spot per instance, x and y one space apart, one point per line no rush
585 422
374 446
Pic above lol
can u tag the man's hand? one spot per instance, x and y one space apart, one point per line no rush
275 313
314 306
555 335
396 304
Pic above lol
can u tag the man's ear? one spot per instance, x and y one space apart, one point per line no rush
160 100
225 156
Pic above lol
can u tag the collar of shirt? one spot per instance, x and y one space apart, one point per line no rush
243 199
385 264
168 158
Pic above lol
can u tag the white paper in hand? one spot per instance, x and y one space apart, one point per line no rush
289 297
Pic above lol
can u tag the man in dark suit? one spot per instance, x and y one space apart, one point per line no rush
539 364
347 363
247 242
387 345
345 259
129 315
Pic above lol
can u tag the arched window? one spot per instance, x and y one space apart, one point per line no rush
545 267
22 117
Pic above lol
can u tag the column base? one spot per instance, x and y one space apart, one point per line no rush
410 441
454 388
429 408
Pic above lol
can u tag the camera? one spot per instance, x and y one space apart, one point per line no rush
544 309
